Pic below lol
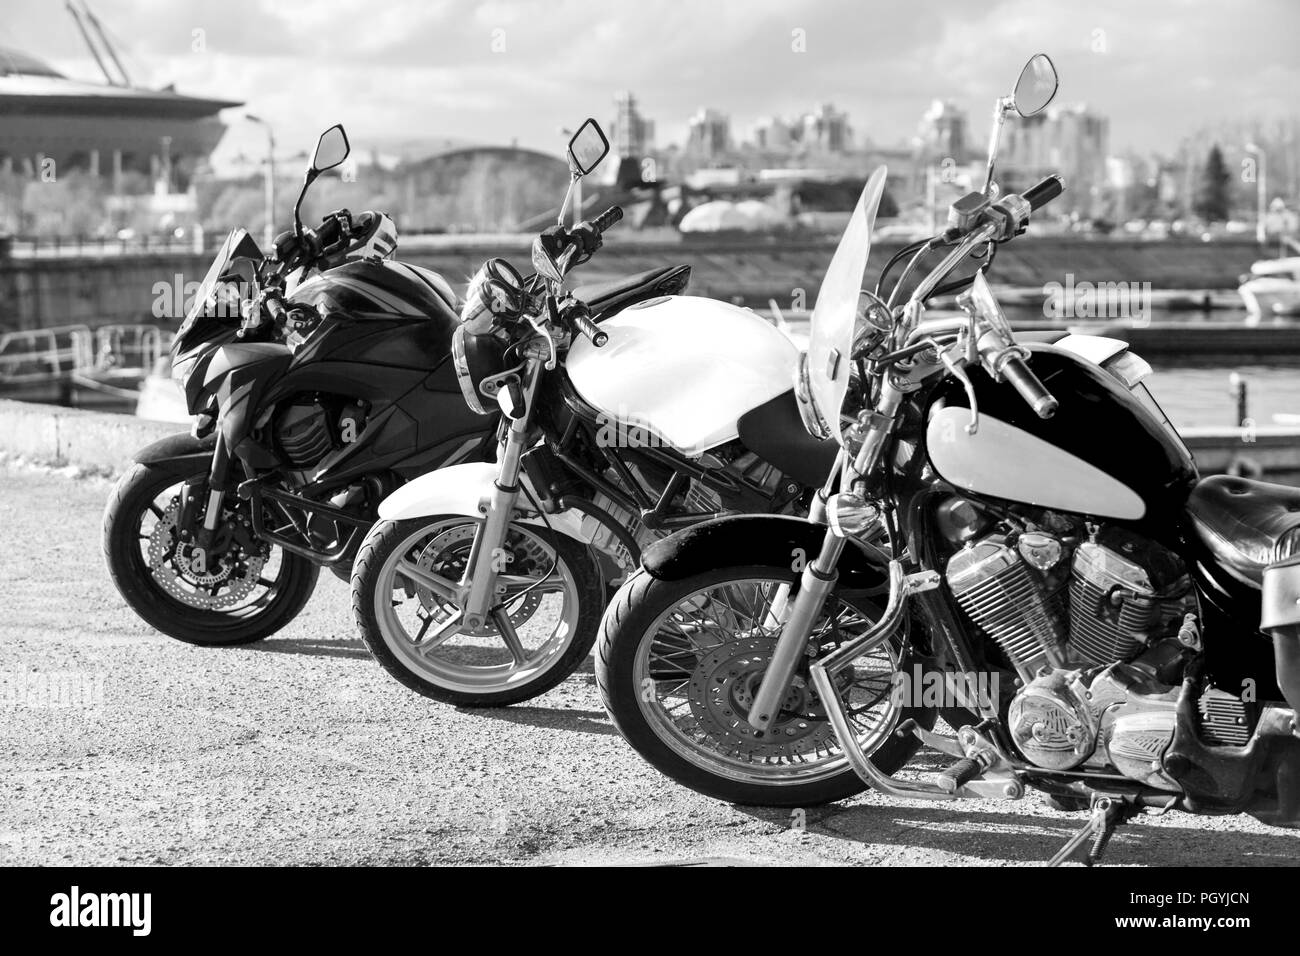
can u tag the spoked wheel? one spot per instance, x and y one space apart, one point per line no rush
679 663
237 591
548 591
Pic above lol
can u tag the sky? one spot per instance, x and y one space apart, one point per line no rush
499 71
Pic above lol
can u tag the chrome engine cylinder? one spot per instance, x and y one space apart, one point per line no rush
1002 594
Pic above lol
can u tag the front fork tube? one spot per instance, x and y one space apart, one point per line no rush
218 474
484 566
819 575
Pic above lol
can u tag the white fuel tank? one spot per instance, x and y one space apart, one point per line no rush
682 369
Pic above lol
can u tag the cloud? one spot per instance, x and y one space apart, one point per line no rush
499 70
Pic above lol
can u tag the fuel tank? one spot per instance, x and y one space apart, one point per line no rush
683 369
1108 452
383 313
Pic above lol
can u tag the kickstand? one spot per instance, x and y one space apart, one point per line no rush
1107 814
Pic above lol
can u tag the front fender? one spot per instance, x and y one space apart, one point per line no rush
758 541
458 490
182 454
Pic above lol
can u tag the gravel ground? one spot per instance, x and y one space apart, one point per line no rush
300 750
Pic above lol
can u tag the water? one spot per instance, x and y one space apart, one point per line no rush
1199 395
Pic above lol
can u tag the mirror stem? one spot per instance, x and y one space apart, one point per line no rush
307 180
568 195
999 118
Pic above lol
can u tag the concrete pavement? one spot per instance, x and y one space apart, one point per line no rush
121 746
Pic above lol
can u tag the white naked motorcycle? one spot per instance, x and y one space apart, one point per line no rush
622 422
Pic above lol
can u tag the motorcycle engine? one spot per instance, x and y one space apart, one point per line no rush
312 426
1091 619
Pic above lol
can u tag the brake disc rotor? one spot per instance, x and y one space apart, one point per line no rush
722 689
446 555
172 563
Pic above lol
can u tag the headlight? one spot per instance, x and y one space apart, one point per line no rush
475 357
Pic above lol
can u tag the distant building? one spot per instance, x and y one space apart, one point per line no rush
709 135
1071 141
631 134
773 134
826 129
101 128
943 132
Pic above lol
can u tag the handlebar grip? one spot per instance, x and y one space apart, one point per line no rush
582 322
607 218
1034 392
1044 191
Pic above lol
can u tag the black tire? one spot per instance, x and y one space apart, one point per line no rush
379 544
134 492
638 605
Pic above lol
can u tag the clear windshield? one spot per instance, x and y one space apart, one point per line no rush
834 317
238 244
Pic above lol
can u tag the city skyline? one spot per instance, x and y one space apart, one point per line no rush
518 71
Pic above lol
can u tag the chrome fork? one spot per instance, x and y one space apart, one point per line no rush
484 566
819 575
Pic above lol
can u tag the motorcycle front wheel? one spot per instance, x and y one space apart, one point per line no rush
679 662
243 591
549 587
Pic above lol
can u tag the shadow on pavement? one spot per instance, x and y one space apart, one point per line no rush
583 721
352 648
1033 837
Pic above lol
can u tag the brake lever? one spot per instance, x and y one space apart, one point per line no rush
958 371
545 333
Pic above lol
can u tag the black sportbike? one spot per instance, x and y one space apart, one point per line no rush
312 401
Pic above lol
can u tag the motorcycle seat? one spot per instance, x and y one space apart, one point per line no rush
774 431
1246 525
607 297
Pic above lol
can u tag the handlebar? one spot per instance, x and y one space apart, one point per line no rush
606 219
1044 191
1033 391
580 317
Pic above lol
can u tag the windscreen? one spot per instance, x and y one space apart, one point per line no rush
237 245
834 317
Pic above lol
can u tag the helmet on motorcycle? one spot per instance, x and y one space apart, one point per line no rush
377 238
495 292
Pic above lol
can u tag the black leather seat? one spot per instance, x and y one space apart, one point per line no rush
774 431
1246 525
607 297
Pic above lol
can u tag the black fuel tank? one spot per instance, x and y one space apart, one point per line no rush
1104 453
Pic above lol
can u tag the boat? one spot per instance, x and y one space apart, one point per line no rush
1272 288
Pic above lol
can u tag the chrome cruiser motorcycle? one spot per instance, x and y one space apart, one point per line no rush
621 422
1013 514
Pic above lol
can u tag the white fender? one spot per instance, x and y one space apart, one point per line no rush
458 490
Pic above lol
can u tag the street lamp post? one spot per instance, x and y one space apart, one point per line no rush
1261 195
269 234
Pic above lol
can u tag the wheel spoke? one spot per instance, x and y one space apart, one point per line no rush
509 635
435 583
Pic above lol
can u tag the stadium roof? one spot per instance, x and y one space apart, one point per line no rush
31 86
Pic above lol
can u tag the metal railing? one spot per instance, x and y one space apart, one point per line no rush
35 356
54 247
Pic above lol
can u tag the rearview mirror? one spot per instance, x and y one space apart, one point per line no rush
331 149
1036 86
587 148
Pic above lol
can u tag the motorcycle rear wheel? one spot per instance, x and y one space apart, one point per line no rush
140 500
703 641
